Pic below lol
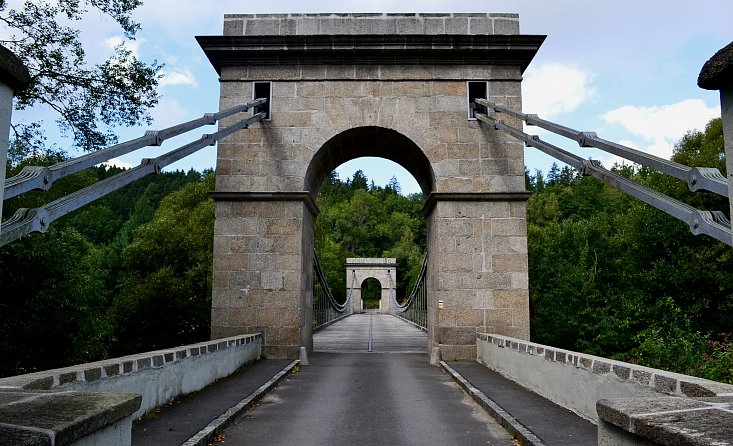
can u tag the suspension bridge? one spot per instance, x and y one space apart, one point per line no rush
301 94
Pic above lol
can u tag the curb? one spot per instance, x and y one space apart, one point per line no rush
202 437
505 419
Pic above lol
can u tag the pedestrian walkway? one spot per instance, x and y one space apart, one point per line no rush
552 424
180 420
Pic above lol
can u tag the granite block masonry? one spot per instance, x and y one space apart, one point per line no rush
395 86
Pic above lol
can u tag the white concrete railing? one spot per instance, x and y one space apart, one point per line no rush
631 404
159 376
577 381
95 403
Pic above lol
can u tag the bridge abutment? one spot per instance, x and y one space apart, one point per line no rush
396 86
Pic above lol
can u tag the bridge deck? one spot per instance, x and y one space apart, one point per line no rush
389 335
348 397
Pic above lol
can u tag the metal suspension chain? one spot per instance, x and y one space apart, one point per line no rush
25 221
697 178
415 308
712 223
325 307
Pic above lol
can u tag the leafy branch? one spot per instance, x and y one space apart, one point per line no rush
89 99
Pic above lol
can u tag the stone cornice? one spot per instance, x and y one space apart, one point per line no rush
305 197
370 49
435 197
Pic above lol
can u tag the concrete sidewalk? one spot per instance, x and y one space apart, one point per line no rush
552 424
181 419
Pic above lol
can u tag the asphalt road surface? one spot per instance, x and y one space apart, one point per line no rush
349 397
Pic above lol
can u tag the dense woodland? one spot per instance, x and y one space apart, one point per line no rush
608 275
614 277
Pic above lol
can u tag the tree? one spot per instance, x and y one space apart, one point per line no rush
612 276
90 99
553 176
394 185
53 303
359 181
165 285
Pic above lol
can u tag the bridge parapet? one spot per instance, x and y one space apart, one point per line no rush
617 396
158 376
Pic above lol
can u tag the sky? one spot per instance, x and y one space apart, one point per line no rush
626 69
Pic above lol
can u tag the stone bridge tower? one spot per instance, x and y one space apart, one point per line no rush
396 86
384 270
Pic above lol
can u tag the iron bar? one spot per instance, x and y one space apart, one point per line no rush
713 223
697 178
40 177
26 221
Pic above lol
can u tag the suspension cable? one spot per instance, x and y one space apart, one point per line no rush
697 178
712 223
25 221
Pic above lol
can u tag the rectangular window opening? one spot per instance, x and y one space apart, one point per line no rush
263 89
476 89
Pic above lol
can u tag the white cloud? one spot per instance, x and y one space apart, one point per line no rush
131 45
170 112
661 126
552 89
184 77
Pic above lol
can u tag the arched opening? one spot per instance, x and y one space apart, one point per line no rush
371 221
369 141
371 293
361 219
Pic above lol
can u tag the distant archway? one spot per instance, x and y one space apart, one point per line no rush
383 270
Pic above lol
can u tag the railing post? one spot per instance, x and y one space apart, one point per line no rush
13 77
717 74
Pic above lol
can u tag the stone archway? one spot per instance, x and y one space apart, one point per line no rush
390 85
384 270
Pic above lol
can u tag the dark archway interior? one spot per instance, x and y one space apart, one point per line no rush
371 293
369 141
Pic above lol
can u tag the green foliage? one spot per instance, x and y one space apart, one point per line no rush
612 276
89 99
53 302
358 220
718 359
64 292
371 293
165 286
